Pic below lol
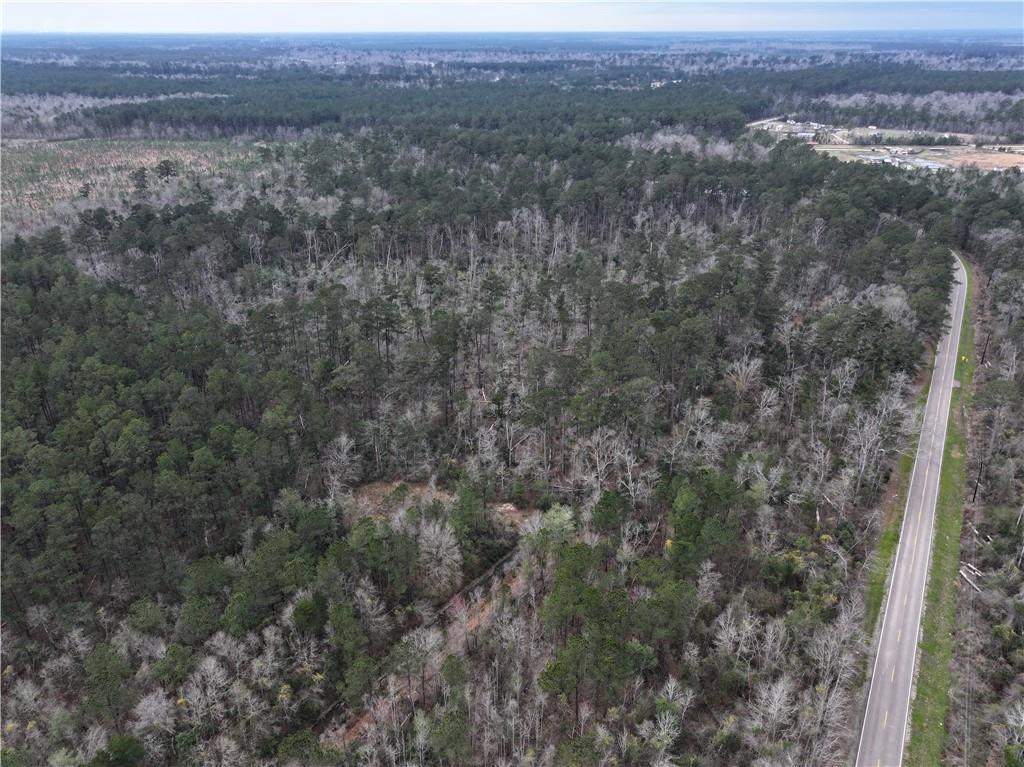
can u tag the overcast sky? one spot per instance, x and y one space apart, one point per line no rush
499 16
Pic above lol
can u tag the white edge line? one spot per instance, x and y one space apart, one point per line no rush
899 546
953 353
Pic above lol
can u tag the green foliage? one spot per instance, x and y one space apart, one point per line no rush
241 614
121 751
667 618
1013 755
346 632
140 184
450 738
273 572
569 671
360 676
302 747
313 528
106 673
310 615
705 520
206 577
598 656
11 758
557 528
454 673
473 527
198 620
146 616
165 169
493 271
608 511
388 556
580 751
174 667
566 599
876 343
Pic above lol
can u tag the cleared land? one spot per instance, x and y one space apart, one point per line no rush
37 175
839 142
1005 157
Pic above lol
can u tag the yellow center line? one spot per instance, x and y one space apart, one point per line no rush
930 414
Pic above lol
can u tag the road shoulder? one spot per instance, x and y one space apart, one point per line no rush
931 698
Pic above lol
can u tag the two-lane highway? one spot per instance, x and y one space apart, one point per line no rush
892 677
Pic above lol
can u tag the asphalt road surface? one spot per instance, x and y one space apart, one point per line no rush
892 677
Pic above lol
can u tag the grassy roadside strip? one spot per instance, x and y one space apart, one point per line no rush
931 703
881 564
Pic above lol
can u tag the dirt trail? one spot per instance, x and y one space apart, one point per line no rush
373 496
460 615
407 692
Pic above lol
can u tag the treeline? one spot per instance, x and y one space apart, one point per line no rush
999 117
159 476
534 212
874 77
913 139
336 349
687 376
189 475
528 112
256 96
987 714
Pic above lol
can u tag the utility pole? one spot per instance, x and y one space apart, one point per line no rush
977 481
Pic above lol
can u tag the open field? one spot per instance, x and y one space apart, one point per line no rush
848 135
35 116
839 142
837 134
935 157
37 175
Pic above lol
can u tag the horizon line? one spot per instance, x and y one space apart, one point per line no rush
457 32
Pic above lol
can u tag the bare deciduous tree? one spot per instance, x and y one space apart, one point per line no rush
440 558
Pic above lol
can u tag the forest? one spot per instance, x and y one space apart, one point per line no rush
472 425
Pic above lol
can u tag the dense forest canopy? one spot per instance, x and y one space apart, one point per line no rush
192 86
473 425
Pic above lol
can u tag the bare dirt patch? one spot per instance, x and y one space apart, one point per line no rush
464 619
1010 156
377 493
